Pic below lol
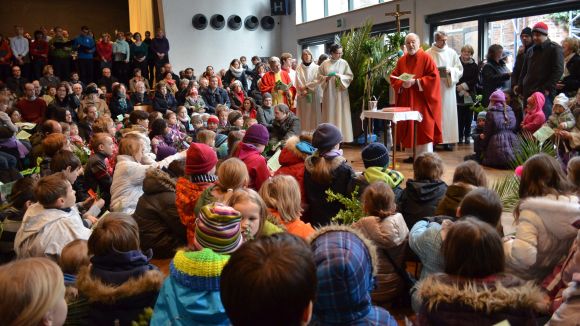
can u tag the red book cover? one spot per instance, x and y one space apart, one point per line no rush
397 109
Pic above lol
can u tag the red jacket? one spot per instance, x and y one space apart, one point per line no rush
38 49
255 163
105 50
5 52
32 111
292 165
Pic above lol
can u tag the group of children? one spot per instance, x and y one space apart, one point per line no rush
496 131
242 240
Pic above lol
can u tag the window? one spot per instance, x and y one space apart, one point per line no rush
357 4
336 7
507 32
460 34
314 9
298 11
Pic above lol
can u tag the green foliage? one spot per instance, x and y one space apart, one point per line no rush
478 106
508 190
562 18
364 52
529 146
144 317
352 211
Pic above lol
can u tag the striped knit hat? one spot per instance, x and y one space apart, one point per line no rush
218 228
198 270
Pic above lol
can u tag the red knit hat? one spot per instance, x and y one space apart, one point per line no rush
200 159
540 27
213 119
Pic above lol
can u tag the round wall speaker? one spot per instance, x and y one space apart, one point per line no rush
199 21
217 21
252 22
234 22
267 23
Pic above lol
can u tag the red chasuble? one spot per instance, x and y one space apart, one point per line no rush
427 101
267 83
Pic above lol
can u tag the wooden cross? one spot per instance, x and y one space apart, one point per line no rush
398 14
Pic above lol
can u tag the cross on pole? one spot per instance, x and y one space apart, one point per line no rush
398 14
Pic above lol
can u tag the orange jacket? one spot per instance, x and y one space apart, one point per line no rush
186 195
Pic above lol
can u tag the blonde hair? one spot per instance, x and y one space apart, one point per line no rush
250 195
232 174
282 193
74 256
206 136
34 286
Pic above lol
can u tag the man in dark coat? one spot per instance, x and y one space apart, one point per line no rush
543 67
214 95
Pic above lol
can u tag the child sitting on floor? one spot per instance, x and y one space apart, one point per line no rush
120 283
375 157
535 117
231 175
74 256
99 173
281 261
249 150
254 214
200 162
476 132
467 176
51 223
282 196
423 193
33 293
11 215
387 230
574 171
561 117
162 144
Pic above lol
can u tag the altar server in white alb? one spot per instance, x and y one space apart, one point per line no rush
308 93
335 76
451 70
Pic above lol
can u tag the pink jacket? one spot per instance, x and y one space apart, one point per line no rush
533 121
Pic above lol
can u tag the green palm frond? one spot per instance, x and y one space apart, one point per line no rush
529 146
508 190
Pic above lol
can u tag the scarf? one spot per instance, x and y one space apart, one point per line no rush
330 154
236 72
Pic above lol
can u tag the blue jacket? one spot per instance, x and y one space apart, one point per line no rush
85 46
187 298
345 272
212 99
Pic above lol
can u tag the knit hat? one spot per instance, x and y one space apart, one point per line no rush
234 116
198 270
375 154
540 27
213 119
305 147
200 159
257 134
562 100
497 96
482 115
526 31
218 227
326 136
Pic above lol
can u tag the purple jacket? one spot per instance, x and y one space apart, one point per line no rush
500 137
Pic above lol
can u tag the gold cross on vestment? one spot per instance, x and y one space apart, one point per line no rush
398 14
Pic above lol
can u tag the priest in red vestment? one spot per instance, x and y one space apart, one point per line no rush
277 82
420 93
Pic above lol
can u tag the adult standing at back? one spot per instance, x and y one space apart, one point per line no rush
450 70
421 93
308 93
466 92
543 67
160 51
85 45
518 104
495 74
335 77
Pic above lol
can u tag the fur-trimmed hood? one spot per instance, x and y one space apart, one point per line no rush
346 263
335 162
489 296
290 154
97 291
157 181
